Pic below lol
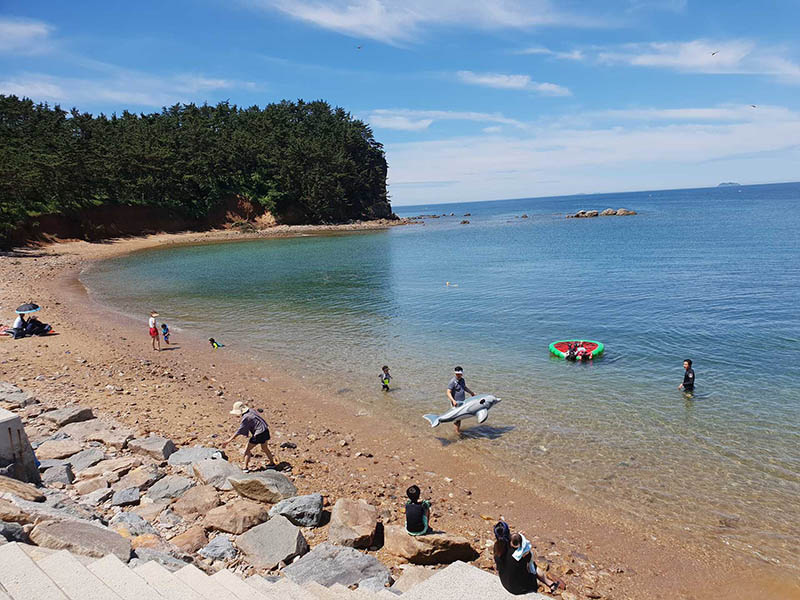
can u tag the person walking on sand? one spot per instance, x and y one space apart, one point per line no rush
254 425
154 337
688 377
455 391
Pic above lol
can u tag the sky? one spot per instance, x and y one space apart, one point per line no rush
472 100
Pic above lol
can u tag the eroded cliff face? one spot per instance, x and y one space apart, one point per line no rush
104 222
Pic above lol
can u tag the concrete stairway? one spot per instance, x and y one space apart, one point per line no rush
29 573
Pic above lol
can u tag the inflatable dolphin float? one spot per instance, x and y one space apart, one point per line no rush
477 406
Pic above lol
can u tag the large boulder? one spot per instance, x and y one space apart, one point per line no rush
14 398
220 548
236 517
69 414
113 466
22 490
150 512
96 498
328 564
264 486
624 212
85 459
353 523
609 212
429 549
13 508
57 449
216 472
170 486
271 543
196 501
81 538
154 446
87 486
304 511
96 430
187 456
141 477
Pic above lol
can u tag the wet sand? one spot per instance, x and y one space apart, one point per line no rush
103 359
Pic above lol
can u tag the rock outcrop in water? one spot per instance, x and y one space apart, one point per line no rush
609 212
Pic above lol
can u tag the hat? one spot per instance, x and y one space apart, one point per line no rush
458 370
153 313
239 408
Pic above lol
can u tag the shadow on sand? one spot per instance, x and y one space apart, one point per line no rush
488 432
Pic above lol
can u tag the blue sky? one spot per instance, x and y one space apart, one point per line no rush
473 101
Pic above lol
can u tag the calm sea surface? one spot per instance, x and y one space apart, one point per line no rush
707 274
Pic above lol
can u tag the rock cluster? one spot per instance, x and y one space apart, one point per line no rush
609 212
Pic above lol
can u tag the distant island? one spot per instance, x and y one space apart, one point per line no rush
729 184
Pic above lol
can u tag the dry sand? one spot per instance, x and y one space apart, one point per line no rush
103 359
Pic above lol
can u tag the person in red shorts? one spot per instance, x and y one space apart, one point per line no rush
154 337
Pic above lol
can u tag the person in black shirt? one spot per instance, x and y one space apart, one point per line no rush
518 576
688 377
417 513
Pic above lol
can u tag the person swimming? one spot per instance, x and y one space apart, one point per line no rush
215 344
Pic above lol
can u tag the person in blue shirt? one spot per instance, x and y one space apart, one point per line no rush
165 333
455 391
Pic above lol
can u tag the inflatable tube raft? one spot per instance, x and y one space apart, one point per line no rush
561 347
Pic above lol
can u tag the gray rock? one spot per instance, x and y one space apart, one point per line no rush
165 559
141 477
264 486
126 497
168 519
59 473
187 456
154 446
353 523
49 463
170 486
85 459
13 532
14 397
273 542
32 512
304 511
216 471
372 584
130 523
95 430
220 548
96 497
69 414
328 564
81 538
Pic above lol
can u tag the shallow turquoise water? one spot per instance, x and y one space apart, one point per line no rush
709 274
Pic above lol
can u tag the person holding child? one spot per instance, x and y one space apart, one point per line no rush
515 563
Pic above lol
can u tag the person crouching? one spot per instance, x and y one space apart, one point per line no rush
256 427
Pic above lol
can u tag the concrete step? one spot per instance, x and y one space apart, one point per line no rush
74 579
264 587
289 590
120 578
205 586
461 580
347 594
164 583
4 596
237 586
320 592
22 578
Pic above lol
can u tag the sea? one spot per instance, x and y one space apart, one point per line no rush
708 274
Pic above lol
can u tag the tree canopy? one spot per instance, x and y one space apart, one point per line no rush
305 162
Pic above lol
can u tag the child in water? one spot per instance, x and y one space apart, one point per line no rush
165 333
385 378
215 344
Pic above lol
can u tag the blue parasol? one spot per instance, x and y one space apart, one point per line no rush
27 308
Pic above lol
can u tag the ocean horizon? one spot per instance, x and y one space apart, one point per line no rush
709 274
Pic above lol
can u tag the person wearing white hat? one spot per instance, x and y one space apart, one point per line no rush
154 336
256 427
455 391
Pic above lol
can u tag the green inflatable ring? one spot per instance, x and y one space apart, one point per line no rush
560 347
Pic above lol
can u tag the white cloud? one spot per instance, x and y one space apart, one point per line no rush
511 82
122 87
571 55
730 112
417 120
668 5
401 21
24 37
642 155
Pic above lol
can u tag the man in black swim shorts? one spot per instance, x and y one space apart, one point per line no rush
688 377
254 425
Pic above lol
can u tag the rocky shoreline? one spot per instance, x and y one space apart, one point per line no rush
609 212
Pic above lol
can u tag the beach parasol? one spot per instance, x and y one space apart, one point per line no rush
27 308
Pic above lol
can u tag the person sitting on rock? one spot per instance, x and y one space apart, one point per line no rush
417 513
517 576
254 425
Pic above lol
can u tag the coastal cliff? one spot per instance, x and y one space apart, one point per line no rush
72 174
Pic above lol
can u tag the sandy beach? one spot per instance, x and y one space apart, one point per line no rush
103 359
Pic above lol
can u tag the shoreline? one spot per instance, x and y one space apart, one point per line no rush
197 386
